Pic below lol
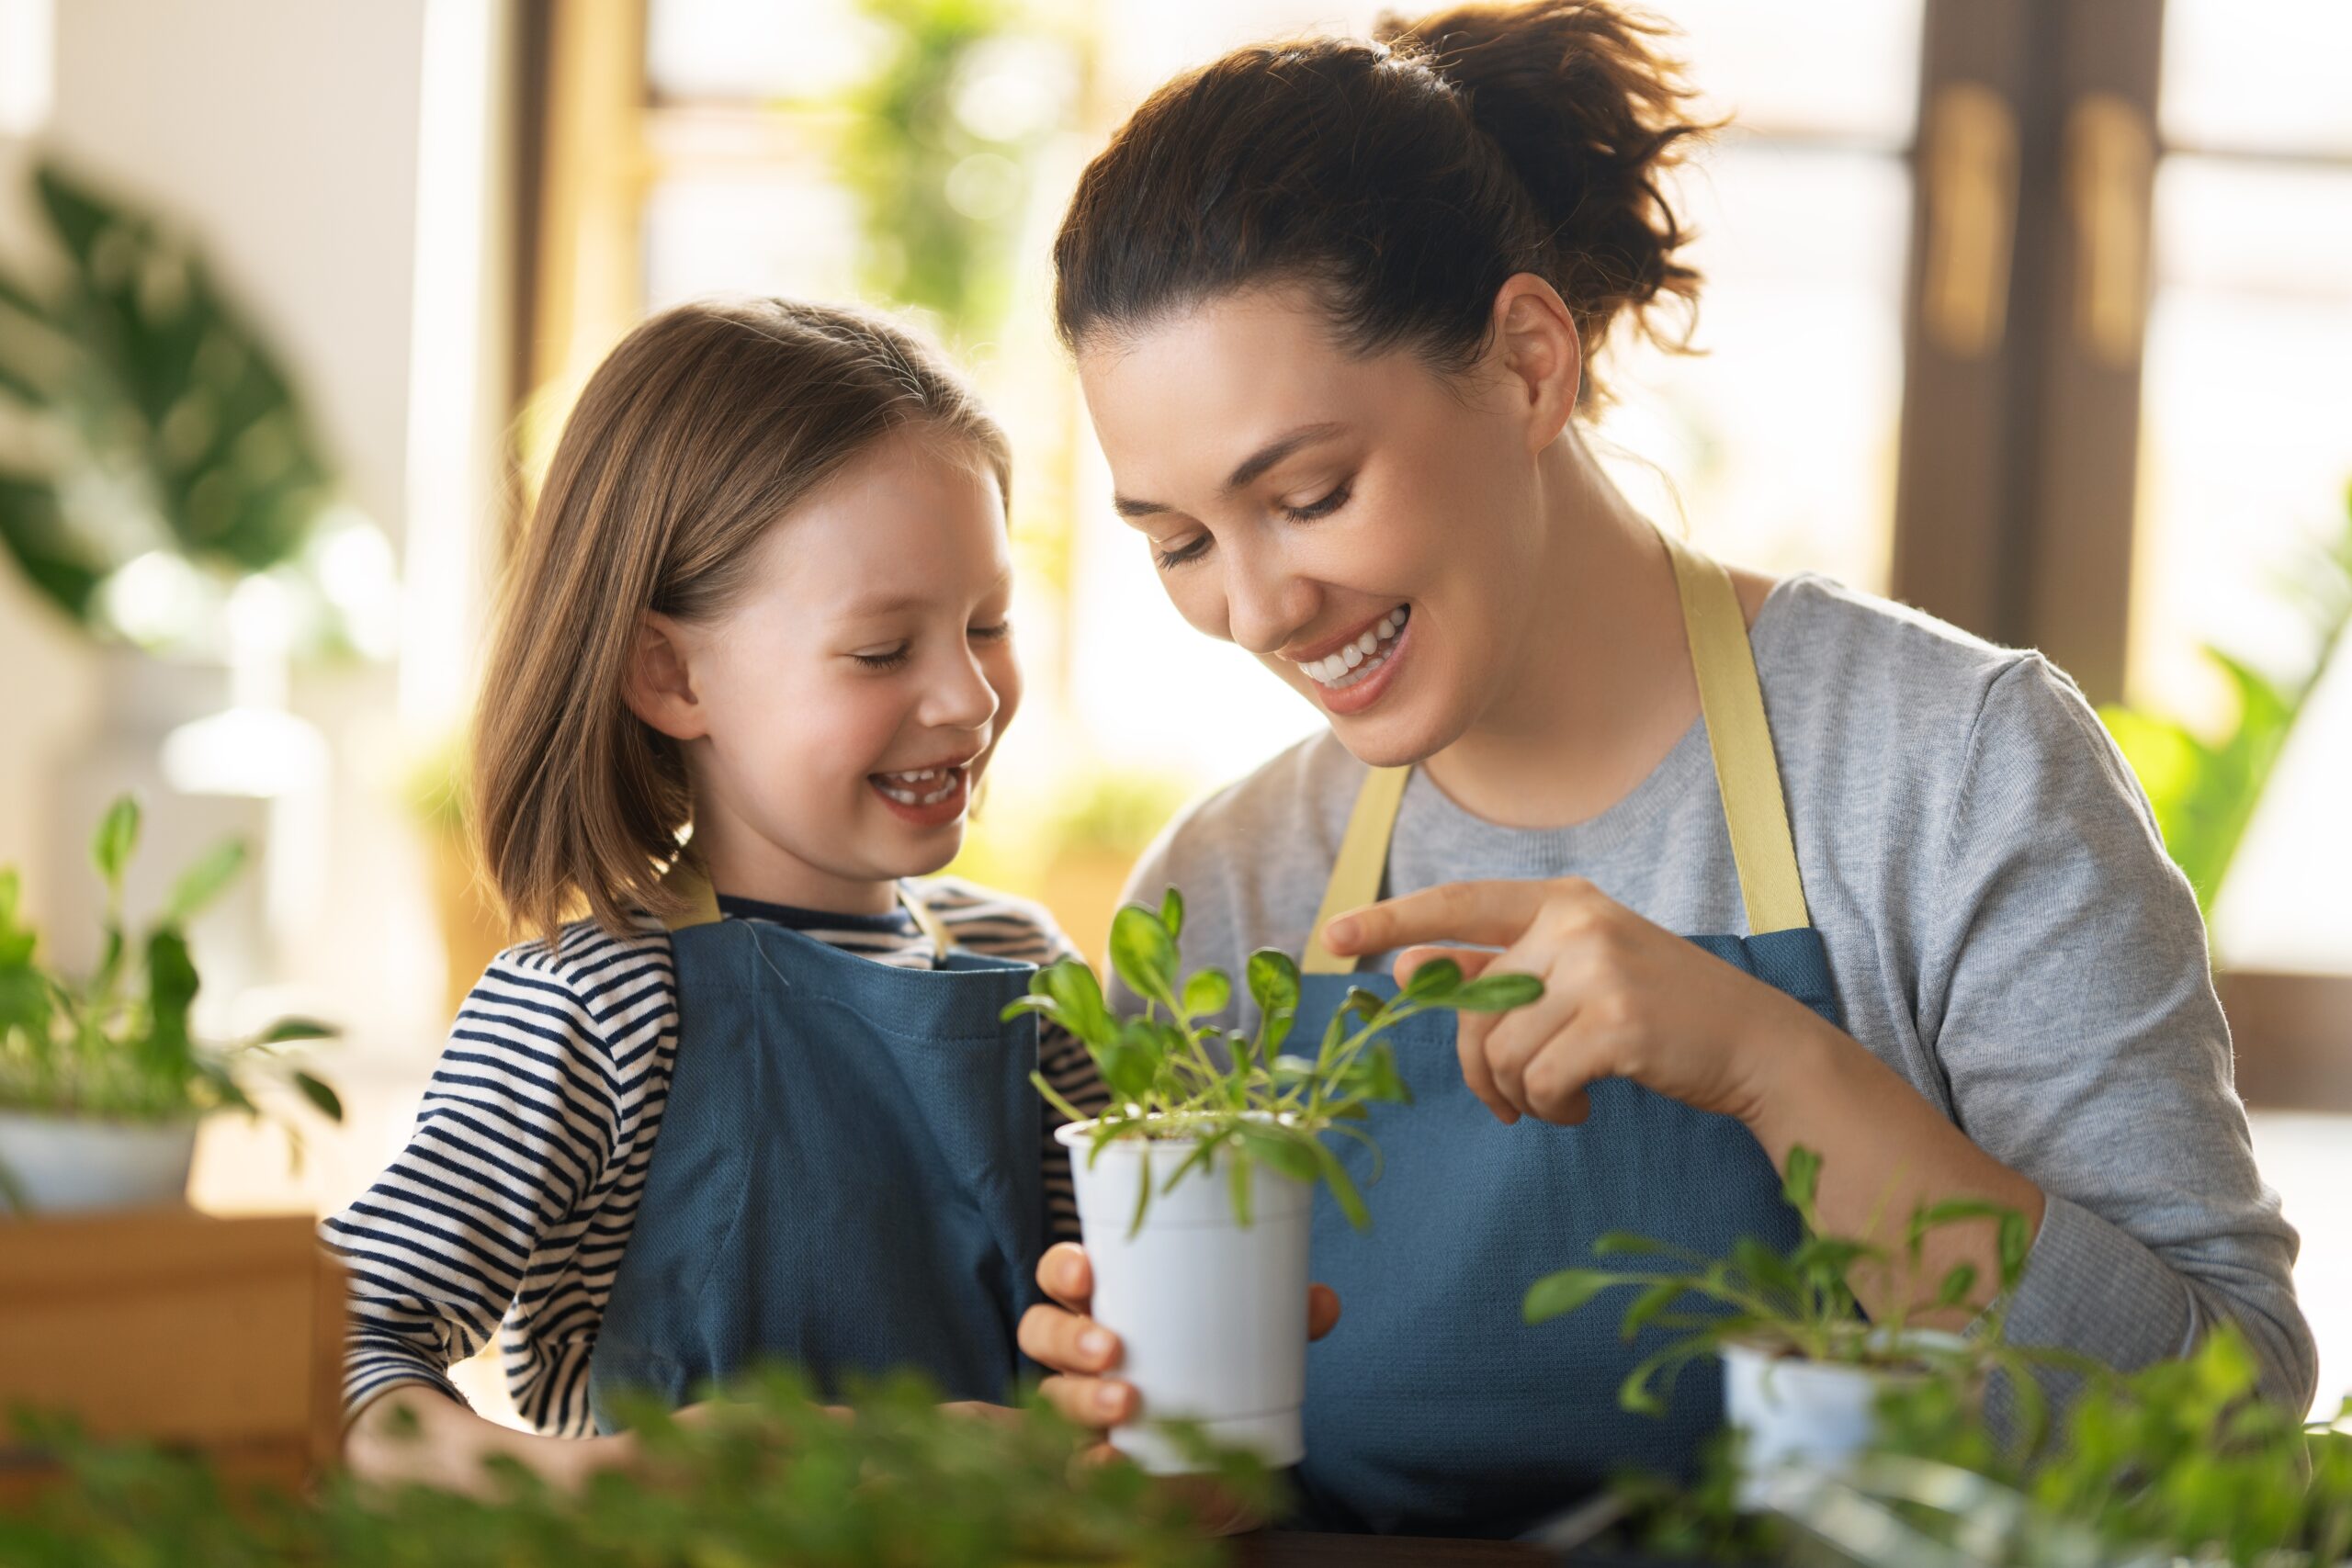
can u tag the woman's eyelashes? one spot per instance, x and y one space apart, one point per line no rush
1331 500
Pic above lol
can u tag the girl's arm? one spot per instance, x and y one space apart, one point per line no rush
533 1123
416 1434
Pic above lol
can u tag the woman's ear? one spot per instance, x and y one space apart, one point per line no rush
1539 353
660 688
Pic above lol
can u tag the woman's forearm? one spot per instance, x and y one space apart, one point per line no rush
1886 1152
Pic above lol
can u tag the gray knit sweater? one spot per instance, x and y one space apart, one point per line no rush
2003 926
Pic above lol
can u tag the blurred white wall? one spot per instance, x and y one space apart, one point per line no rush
344 166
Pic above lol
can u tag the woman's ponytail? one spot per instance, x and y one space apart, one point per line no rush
1590 115
1405 180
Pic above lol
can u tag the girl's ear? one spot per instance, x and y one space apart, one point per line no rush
659 688
1541 355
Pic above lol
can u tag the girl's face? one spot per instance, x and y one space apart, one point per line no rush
845 708
1370 530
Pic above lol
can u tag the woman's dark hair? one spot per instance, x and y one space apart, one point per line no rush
1405 179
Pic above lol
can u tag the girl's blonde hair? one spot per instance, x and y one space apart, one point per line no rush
705 425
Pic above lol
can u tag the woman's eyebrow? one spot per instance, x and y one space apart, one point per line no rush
1251 468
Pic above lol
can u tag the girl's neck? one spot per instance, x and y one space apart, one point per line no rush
1603 688
742 863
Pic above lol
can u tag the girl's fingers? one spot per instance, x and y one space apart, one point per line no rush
1066 1341
1322 1310
1064 1274
1090 1402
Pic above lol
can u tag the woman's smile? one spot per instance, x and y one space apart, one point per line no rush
1352 674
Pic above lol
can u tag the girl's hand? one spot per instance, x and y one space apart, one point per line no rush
1079 1350
1621 998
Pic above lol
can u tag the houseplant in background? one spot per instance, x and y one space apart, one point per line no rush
1804 1368
766 1477
2205 790
1195 1186
102 1084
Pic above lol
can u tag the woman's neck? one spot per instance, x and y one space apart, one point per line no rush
1605 687
742 862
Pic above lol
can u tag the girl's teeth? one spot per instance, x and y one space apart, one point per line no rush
897 785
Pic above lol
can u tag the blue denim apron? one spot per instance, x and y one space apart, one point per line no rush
1433 1408
846 1177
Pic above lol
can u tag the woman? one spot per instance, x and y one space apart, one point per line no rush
1337 309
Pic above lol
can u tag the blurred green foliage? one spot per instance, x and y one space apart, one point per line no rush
940 151
160 417
2205 790
770 1477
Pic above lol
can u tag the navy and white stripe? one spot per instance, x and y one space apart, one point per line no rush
514 1199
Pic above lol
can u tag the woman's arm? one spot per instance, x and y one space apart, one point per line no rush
2062 993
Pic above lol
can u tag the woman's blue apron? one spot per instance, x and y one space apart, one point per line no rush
846 1177
1433 1408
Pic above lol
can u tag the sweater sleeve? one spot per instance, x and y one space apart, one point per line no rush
502 1182
2066 994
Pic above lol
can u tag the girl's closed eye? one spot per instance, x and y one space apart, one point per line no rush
996 632
884 658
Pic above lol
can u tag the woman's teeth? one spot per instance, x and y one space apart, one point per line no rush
1361 658
915 788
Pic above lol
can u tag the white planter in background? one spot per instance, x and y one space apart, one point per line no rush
69 1164
1211 1317
1796 1416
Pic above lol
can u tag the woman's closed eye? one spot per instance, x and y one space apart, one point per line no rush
1331 500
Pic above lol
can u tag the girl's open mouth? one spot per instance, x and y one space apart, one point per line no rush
925 796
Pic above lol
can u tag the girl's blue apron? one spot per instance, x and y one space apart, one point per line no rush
1433 1408
846 1175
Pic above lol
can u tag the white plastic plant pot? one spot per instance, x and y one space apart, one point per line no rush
1797 1418
72 1164
1211 1315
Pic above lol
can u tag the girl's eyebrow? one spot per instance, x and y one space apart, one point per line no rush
873 606
1251 468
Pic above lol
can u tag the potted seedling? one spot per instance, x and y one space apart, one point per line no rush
1195 1186
102 1086
1803 1367
2184 1460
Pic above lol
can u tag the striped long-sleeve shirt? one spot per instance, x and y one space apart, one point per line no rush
513 1200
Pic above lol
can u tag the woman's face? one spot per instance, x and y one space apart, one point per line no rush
1369 529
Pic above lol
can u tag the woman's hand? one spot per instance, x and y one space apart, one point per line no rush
1621 998
1079 1350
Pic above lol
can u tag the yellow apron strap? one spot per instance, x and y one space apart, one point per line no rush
1748 771
1363 859
685 878
927 921
1747 774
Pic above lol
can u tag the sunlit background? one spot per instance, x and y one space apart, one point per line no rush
436 215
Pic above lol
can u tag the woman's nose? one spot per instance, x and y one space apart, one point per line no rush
1265 602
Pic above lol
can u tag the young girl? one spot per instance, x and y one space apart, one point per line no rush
759 1103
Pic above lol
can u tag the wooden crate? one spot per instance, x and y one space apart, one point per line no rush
224 1334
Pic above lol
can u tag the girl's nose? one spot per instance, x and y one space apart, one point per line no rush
963 698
